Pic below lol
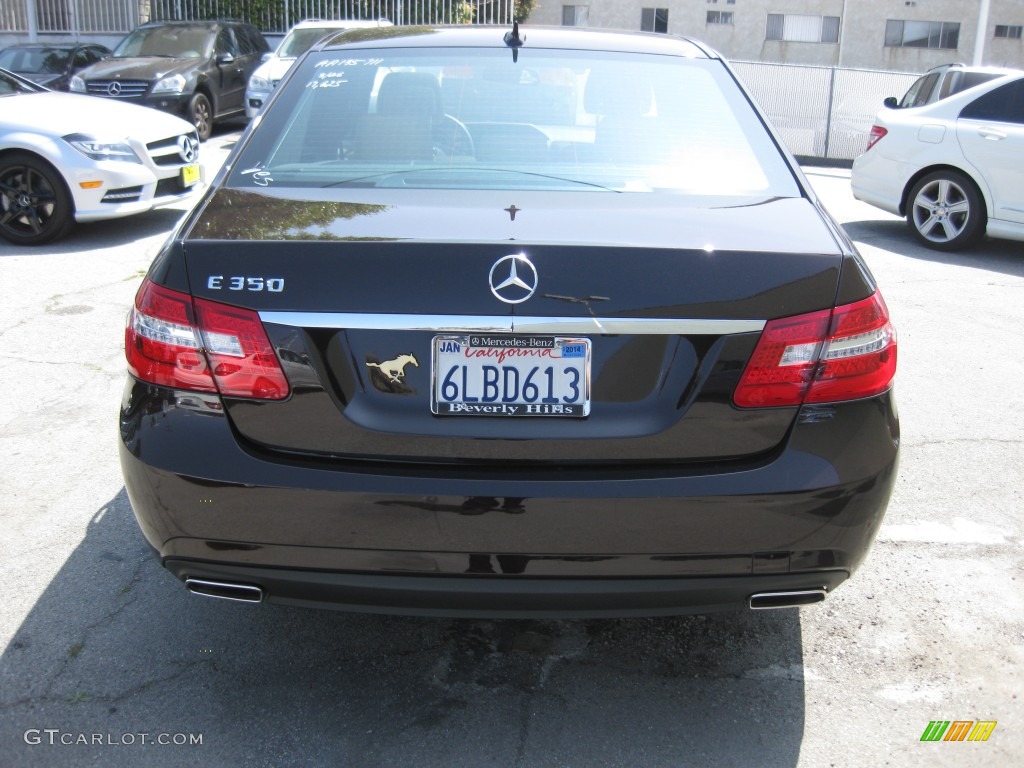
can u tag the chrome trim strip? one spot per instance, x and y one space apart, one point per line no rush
514 324
667 326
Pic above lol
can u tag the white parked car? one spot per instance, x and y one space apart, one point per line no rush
945 80
66 158
954 168
299 39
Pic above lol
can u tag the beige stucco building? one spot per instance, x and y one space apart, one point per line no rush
900 35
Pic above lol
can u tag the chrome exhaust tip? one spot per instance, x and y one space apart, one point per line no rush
241 593
763 601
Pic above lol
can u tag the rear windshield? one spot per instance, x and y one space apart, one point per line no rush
961 81
477 119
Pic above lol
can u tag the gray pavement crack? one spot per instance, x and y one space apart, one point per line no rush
962 440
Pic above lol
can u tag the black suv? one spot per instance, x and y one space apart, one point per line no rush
198 69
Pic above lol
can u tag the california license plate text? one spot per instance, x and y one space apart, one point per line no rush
511 376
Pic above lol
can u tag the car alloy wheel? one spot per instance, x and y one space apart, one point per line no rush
201 115
946 211
35 206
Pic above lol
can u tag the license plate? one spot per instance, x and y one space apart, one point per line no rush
501 375
190 175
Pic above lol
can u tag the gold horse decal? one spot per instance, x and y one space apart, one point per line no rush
395 369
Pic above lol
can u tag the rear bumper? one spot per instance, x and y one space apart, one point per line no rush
477 596
880 181
507 541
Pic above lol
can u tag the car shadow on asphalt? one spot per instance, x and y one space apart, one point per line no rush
115 645
1004 256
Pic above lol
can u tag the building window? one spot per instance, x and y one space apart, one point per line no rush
1010 31
922 34
802 29
719 17
654 20
575 15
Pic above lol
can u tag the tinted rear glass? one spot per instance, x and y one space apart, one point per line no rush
474 118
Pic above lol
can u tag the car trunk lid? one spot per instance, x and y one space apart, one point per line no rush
366 302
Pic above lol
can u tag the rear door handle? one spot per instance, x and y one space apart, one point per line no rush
991 134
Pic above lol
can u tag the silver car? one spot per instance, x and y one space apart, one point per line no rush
66 158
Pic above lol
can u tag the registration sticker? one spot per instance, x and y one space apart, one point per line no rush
190 175
505 375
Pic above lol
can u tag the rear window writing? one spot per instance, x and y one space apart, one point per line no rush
473 118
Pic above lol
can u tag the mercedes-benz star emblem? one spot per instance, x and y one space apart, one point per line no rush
114 89
188 148
521 280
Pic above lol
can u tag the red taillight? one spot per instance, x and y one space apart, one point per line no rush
177 341
239 352
160 341
877 134
821 357
859 358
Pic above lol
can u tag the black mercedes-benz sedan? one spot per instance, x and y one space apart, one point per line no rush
510 322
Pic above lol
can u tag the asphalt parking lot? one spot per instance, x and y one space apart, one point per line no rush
108 661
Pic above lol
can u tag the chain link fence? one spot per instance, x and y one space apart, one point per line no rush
821 112
85 17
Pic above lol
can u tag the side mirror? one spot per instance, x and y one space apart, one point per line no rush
266 57
891 102
225 58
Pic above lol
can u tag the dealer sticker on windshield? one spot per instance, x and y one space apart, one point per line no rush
505 375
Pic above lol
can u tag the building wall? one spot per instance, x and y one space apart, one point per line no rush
861 32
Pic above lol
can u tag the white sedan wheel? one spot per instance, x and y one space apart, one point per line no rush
946 211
